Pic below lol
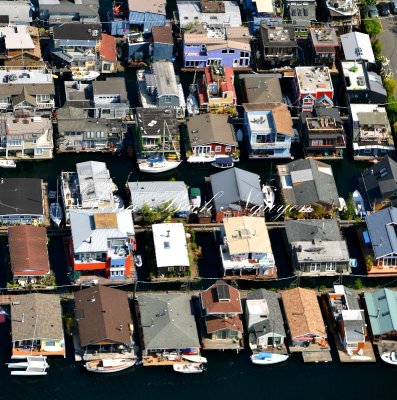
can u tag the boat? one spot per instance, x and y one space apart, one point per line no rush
189 368
109 365
268 196
195 197
191 351
8 164
138 260
265 358
158 162
192 106
342 204
223 162
194 358
85 75
359 206
361 358
33 366
56 213
4 315
389 358
118 202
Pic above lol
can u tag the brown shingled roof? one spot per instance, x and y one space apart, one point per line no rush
232 323
28 250
211 303
303 312
162 34
103 315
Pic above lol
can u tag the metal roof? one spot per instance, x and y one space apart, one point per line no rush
357 46
166 84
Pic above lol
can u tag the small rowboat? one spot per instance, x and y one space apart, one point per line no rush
189 368
109 365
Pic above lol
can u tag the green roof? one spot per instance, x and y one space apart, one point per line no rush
194 192
382 310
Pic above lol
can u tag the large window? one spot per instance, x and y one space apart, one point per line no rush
330 266
315 267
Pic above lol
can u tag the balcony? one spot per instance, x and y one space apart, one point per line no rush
276 145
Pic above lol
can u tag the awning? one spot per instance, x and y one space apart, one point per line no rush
356 146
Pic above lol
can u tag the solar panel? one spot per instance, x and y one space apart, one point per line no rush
223 292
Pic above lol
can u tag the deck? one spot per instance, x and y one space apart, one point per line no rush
158 360
5 300
29 352
222 344
317 356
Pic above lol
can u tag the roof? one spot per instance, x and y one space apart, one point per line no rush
274 314
111 86
28 250
221 298
236 185
325 38
103 314
153 6
165 78
313 79
157 193
277 36
262 88
382 229
162 34
303 312
170 245
233 323
24 96
357 112
108 48
357 46
167 321
20 12
307 230
36 316
276 117
247 235
382 310
17 37
309 181
21 196
210 128
151 120
77 31
91 229
380 180
264 6
37 82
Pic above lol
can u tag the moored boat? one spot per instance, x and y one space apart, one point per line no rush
157 164
195 197
359 206
85 75
268 196
194 358
56 213
138 260
389 358
223 162
189 368
192 106
33 366
109 365
8 164
265 358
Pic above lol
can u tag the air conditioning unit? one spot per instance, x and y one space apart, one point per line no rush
94 32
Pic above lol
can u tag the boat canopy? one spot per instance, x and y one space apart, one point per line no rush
224 160
264 356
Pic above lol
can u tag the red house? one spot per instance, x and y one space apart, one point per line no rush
313 85
102 242
211 137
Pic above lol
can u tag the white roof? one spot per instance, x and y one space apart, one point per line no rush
355 72
152 6
25 77
18 12
258 307
170 245
264 6
364 108
89 238
357 46
17 37
313 79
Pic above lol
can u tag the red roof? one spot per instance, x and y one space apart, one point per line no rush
231 304
108 47
216 324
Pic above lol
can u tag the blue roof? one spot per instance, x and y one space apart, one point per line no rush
382 310
148 20
382 229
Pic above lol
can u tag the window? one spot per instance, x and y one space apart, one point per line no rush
185 17
315 267
331 266
106 66
214 17
38 152
106 111
224 51
228 149
218 149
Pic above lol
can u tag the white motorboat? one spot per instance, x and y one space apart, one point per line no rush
118 202
265 358
359 206
189 368
8 164
192 106
194 358
56 213
85 75
138 260
269 196
223 162
109 365
33 366
342 204
389 358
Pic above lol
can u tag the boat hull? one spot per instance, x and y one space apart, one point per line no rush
188 368
167 166
195 359
96 366
271 359
7 164
387 358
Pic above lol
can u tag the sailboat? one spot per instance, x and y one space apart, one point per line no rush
33 366
158 163
192 106
56 213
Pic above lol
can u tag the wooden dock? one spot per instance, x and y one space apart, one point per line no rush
317 356
5 300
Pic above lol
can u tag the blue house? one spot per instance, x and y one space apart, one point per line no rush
227 47
162 46
117 17
258 11
269 131
144 15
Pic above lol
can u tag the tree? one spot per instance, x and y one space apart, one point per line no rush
390 86
377 48
358 284
372 26
350 208
368 2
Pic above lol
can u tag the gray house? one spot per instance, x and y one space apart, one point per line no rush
157 193
265 324
236 192
300 12
166 325
261 88
317 247
20 13
162 46
308 183
77 133
110 98
22 201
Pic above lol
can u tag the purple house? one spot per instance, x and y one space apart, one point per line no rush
227 47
